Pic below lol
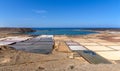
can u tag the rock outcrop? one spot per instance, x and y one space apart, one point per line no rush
16 30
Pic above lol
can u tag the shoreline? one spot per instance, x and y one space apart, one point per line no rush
15 30
17 60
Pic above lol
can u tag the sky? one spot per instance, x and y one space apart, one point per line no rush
60 13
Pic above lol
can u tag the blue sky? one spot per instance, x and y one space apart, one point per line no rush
60 13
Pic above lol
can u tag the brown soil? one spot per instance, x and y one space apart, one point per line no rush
60 59
13 60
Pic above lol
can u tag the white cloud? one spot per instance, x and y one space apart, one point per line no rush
40 11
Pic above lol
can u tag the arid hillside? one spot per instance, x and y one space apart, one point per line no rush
16 30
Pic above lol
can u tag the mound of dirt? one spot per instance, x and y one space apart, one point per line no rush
4 48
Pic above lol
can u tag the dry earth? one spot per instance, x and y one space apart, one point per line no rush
61 59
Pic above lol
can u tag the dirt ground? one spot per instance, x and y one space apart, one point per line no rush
12 60
61 58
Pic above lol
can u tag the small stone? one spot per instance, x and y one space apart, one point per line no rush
71 67
71 57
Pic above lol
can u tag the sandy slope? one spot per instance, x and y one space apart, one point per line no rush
13 60
59 60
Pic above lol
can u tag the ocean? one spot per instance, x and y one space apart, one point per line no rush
61 31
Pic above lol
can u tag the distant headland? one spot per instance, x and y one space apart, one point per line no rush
15 30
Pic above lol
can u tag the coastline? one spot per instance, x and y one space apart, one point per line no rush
16 60
4 32
16 30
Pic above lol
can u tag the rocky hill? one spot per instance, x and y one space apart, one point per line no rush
15 30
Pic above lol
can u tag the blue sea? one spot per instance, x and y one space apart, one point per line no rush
61 31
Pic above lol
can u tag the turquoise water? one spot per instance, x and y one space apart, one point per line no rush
61 31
